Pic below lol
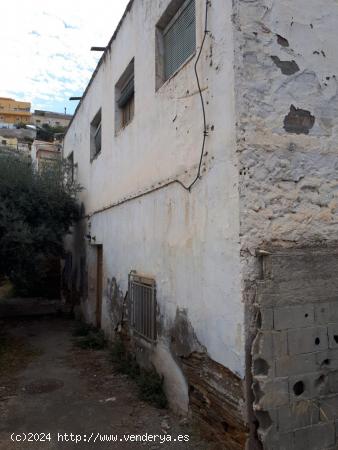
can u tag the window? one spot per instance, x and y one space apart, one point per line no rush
126 103
175 38
143 306
95 135
70 168
125 98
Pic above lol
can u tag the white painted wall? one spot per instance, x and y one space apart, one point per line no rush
188 241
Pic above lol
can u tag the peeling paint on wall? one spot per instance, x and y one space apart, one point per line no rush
286 67
298 121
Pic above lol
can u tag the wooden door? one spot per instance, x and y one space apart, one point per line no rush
99 282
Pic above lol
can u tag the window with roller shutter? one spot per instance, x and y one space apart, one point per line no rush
179 38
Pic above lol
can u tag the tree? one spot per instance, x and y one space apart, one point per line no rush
37 209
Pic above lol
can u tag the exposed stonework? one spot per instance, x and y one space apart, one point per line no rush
216 395
287 132
295 352
287 125
298 121
286 67
217 400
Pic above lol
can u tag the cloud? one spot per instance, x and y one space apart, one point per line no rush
45 51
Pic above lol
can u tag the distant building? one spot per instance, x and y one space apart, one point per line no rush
24 147
43 153
53 119
13 112
22 134
11 142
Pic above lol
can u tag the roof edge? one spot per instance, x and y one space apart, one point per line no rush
112 39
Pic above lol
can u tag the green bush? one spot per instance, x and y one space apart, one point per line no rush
37 209
82 329
94 340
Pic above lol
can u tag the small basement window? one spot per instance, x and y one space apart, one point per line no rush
95 135
175 38
125 98
143 306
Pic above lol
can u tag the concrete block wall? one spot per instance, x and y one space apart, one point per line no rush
295 351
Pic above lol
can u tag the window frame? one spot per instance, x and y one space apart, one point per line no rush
168 19
95 129
142 295
125 107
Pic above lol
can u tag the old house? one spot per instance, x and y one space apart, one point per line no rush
43 153
13 112
206 142
53 119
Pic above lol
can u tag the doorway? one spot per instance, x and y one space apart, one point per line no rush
99 282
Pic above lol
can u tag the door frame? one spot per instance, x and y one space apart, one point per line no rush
99 284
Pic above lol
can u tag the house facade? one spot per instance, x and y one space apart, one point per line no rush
206 144
10 142
13 112
43 153
42 118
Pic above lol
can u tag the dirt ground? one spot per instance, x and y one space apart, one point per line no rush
52 391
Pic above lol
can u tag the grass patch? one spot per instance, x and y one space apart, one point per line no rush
89 337
149 382
82 329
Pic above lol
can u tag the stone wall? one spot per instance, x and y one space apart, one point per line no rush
216 400
295 352
287 133
286 70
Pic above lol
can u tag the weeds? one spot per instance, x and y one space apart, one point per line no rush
149 382
150 386
82 329
88 337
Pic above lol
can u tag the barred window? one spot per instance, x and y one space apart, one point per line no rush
143 306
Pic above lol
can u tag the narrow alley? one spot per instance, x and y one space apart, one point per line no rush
50 388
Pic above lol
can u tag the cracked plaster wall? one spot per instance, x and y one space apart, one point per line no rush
286 70
287 116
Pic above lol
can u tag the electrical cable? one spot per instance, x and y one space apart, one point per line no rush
205 133
205 129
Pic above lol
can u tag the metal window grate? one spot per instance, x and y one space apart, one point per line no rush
179 38
142 297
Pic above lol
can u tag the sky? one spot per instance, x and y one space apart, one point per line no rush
45 48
